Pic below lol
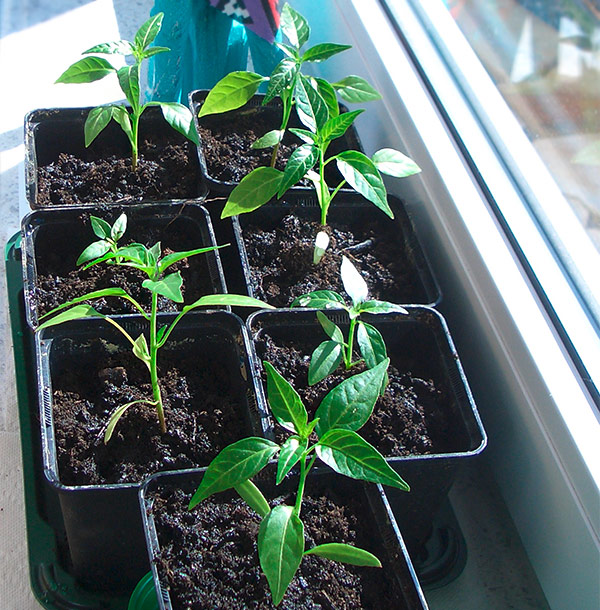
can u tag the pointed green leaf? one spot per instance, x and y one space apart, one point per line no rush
285 403
116 416
270 139
75 313
253 497
154 51
140 349
377 307
394 163
235 464
129 80
287 49
154 254
347 453
294 26
160 333
175 257
350 404
328 94
345 553
280 548
253 191
180 119
96 294
231 92
371 344
169 286
300 161
97 119
148 31
119 227
281 78
362 175
324 360
235 300
86 70
332 330
121 115
355 89
311 107
337 126
290 455
320 299
120 47
100 227
93 251
324 50
306 136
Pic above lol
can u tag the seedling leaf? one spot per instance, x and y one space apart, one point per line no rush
97 119
285 403
270 139
394 163
345 553
253 191
354 284
120 47
320 299
355 89
300 161
93 251
324 360
253 497
181 119
79 311
169 286
290 455
323 51
231 92
294 26
148 31
86 70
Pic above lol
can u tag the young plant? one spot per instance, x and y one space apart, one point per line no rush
92 68
343 411
329 354
158 282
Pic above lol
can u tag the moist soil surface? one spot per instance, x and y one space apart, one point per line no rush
413 417
167 169
209 556
204 413
59 280
281 267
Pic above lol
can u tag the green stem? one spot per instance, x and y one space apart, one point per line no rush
154 365
324 199
348 356
120 329
304 470
287 110
134 140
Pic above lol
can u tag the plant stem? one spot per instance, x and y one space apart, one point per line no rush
304 470
348 357
134 140
324 198
154 365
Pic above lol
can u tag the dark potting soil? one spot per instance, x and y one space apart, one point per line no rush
59 279
413 417
281 260
203 411
209 556
166 170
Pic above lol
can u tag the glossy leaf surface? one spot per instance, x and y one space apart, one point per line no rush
290 454
97 119
86 70
180 119
253 191
355 89
169 286
324 360
231 92
285 403
300 161
294 26
323 51
345 553
394 163
253 497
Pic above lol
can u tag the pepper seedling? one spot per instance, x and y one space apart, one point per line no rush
343 411
92 68
158 282
328 355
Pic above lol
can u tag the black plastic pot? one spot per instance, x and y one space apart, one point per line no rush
102 522
52 240
422 334
417 286
380 523
271 112
50 132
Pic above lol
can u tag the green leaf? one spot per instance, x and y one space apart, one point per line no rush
121 115
94 250
394 163
169 286
120 47
376 307
286 405
287 49
354 284
328 94
290 455
294 26
349 405
347 453
86 70
154 51
253 497
160 333
300 161
280 548
180 119
281 78
371 344
148 31
96 294
235 464
324 360
320 299
235 300
362 175
324 50
355 89
129 80
97 119
345 553
100 227
332 330
337 126
119 227
311 107
270 139
140 349
305 135
231 92
116 416
175 257
255 189
75 313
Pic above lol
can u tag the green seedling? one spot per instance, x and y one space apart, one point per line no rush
92 68
328 355
158 282
343 411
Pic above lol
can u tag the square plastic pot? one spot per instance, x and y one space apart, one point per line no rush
379 521
424 335
102 522
52 240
